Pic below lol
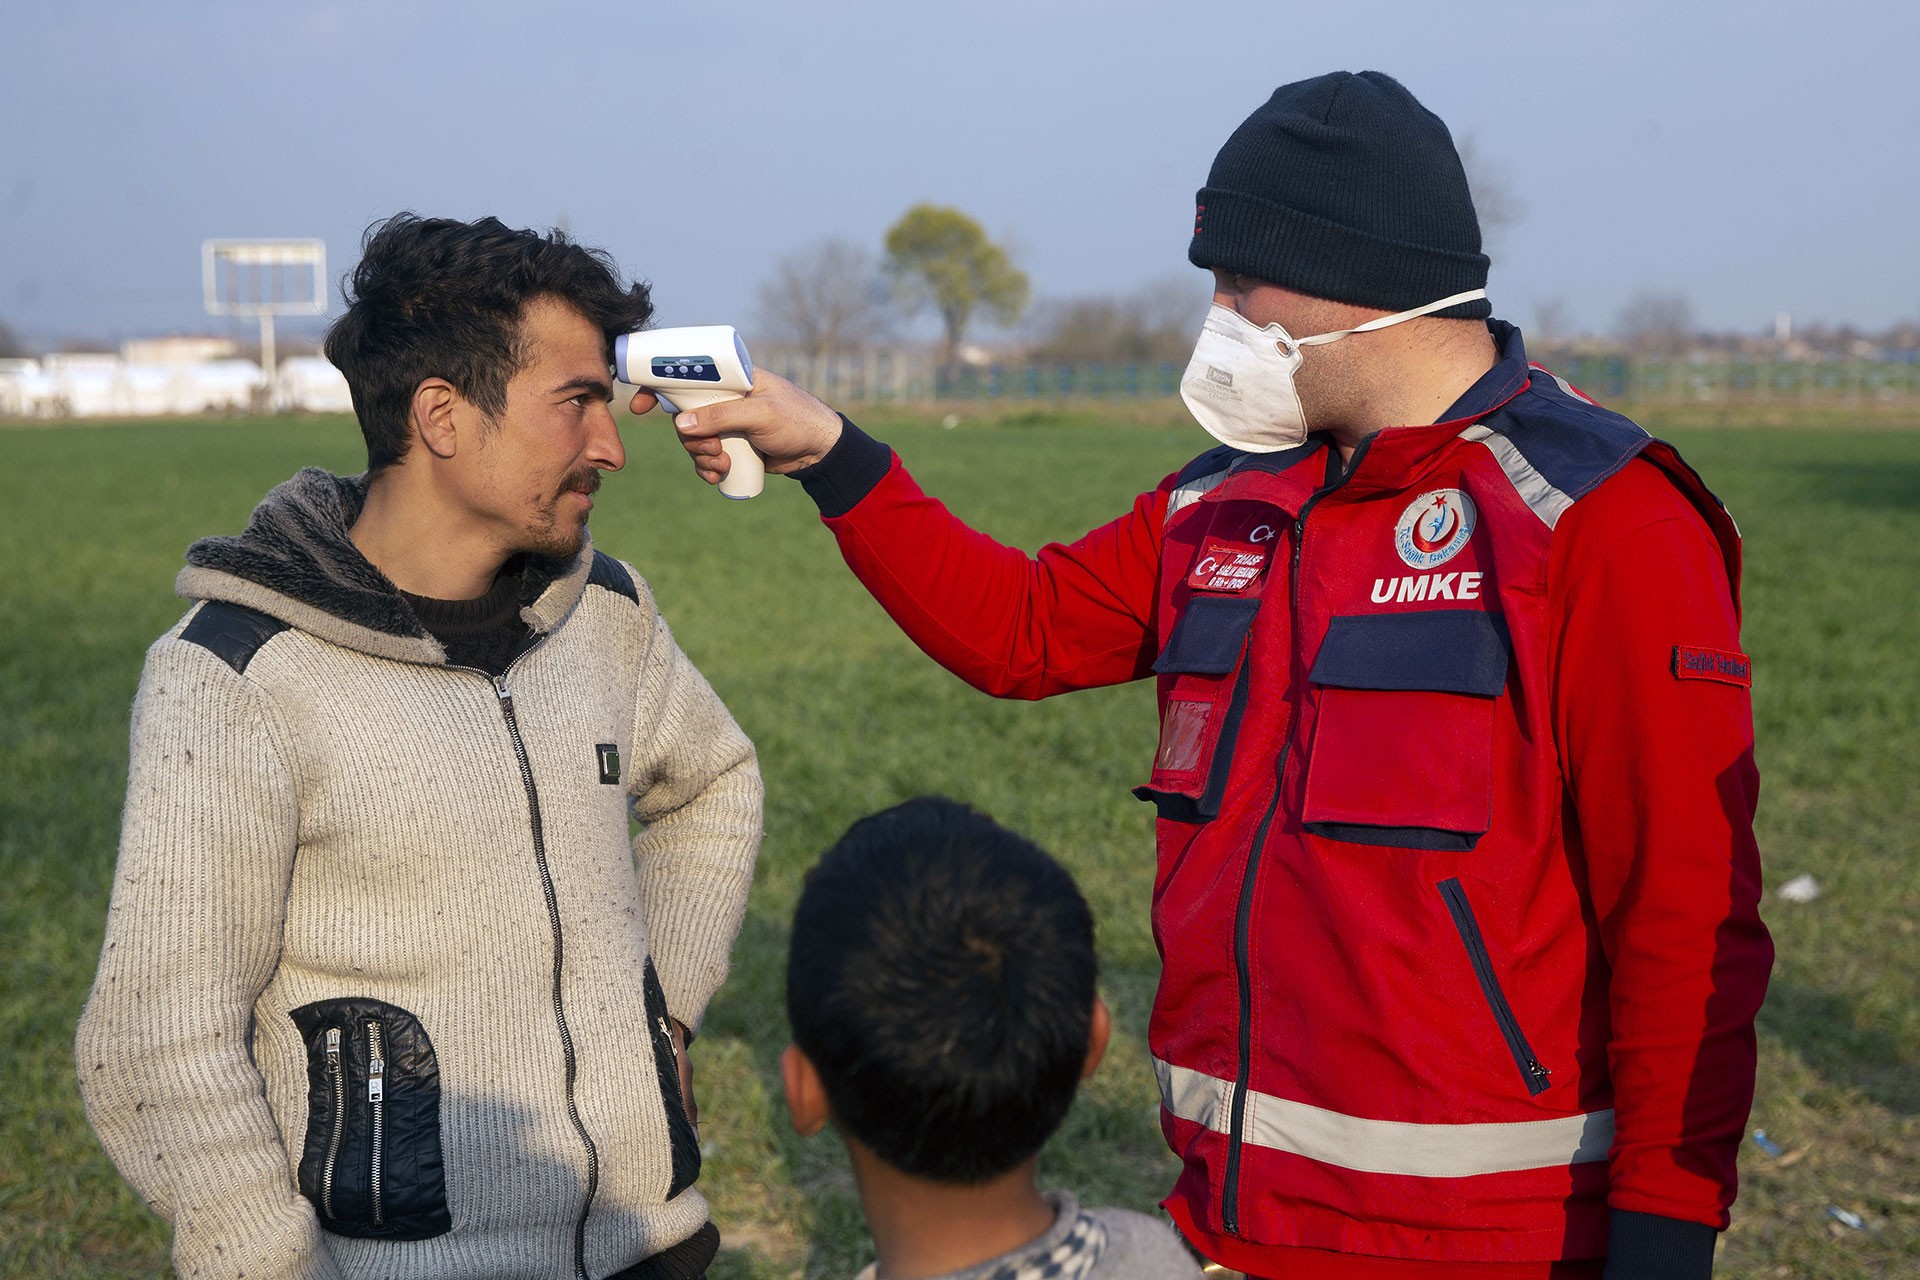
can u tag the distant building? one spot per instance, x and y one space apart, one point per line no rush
177 350
310 384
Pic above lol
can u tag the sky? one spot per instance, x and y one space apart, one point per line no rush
1752 158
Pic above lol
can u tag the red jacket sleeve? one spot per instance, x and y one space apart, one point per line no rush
1657 745
1075 616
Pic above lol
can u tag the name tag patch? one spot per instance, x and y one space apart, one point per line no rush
1723 665
1227 566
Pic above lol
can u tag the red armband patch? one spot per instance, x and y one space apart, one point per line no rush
1723 665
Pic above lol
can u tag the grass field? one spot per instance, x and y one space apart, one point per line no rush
849 717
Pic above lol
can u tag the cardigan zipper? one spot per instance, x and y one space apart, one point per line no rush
1243 914
377 1102
505 696
337 1080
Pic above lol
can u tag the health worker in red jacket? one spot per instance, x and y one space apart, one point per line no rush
1457 886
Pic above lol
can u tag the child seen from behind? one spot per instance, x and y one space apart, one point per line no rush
940 986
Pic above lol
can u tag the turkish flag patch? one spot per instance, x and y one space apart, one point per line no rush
1723 665
1227 566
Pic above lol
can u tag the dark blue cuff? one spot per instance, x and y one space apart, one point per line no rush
1645 1246
855 464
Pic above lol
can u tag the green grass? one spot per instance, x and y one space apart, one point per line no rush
849 717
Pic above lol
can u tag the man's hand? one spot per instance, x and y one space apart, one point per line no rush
790 428
685 1063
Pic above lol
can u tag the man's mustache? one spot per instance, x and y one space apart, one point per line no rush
586 480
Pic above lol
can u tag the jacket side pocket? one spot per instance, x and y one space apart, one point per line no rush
1203 694
1532 1074
371 1163
1403 742
683 1143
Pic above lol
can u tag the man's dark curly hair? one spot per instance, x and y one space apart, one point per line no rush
433 297
941 979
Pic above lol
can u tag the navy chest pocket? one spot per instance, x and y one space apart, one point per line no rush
1402 750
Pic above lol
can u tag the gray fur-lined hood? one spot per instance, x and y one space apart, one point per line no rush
296 562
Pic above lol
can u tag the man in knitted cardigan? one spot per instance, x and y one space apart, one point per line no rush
386 989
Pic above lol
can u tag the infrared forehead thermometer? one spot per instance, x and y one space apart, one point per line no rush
691 368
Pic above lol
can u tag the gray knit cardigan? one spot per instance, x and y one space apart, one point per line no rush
377 996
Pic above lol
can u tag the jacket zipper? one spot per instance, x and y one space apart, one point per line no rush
377 1102
338 1082
505 696
666 1034
1243 914
1534 1075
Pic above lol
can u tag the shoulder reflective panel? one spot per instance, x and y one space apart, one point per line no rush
1561 447
1540 496
611 575
1191 491
1198 476
1563 384
1388 1146
231 632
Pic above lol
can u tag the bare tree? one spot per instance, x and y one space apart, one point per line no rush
1494 198
1176 306
828 299
1654 323
1155 323
1552 321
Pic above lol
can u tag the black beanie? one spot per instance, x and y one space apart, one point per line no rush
1344 187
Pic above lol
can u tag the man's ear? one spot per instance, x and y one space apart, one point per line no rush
1099 1030
432 415
806 1096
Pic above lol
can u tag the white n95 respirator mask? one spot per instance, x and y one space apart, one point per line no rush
1239 384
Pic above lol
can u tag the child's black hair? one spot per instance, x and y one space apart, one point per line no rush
941 978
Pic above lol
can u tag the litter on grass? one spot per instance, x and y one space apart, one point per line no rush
1846 1217
1766 1144
1802 888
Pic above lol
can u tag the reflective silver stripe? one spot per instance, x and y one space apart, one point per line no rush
1564 385
1387 1146
1545 501
1190 492
1194 1095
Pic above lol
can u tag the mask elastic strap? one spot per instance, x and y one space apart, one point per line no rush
1385 321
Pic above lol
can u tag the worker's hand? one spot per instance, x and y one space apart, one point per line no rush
788 427
685 1062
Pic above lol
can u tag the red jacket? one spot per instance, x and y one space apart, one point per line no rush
1457 886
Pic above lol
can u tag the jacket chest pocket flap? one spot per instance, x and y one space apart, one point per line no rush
1204 694
1403 743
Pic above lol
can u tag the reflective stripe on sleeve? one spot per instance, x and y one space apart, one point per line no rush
1387 1146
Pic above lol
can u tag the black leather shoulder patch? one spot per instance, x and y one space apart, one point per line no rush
231 632
610 574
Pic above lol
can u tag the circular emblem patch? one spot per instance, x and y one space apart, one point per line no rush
1434 527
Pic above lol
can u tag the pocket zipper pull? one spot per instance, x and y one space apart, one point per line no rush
333 1048
376 1078
667 1031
